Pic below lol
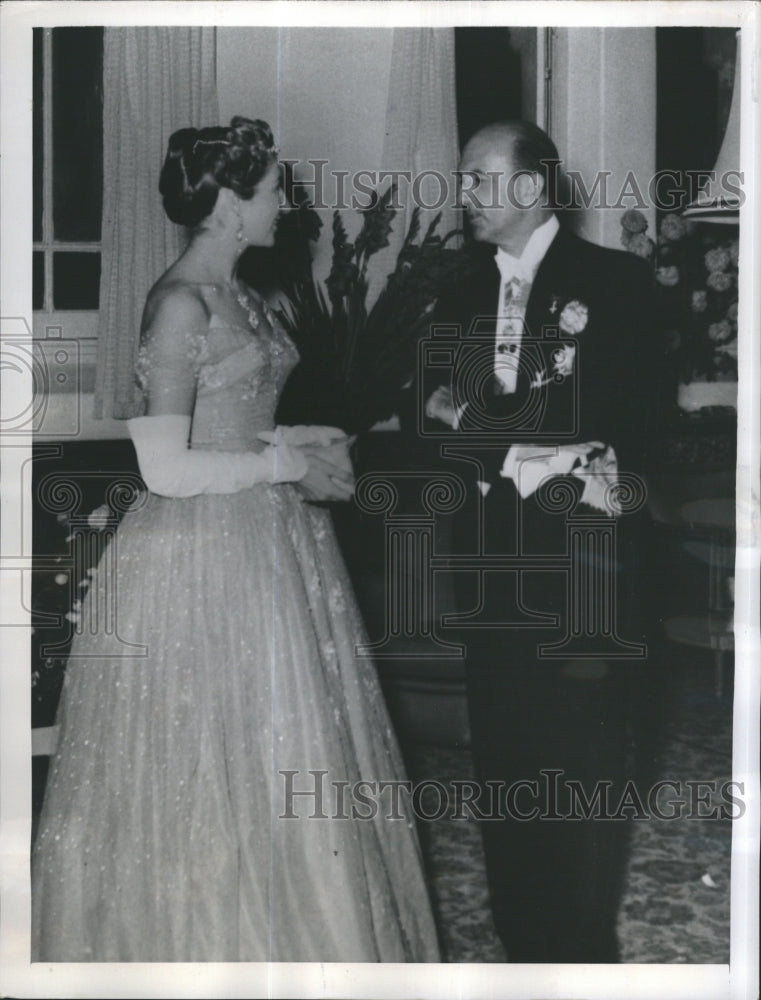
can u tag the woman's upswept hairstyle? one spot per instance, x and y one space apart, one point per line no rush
201 161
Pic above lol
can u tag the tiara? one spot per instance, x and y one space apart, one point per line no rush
208 142
226 142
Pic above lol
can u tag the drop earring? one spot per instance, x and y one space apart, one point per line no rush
239 217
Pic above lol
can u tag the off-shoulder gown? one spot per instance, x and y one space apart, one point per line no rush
167 831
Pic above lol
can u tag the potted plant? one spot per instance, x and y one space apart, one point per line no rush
357 357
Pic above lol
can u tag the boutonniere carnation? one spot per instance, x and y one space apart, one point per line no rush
574 317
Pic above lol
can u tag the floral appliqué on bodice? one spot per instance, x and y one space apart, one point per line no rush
238 371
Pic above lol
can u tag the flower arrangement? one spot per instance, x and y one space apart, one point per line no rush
696 274
356 361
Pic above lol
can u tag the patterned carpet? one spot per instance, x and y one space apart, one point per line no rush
676 902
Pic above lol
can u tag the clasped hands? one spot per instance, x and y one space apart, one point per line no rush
330 475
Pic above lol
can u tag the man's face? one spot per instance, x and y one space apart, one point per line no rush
493 191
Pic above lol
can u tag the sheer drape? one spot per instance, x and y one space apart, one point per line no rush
160 79
421 128
155 80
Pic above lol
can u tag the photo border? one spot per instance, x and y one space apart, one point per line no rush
19 978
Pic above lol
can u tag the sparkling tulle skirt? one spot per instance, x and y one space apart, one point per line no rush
172 829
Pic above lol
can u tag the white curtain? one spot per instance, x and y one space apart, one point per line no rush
421 126
155 80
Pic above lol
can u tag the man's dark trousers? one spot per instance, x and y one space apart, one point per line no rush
555 879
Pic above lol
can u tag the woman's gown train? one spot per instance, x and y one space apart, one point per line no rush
199 805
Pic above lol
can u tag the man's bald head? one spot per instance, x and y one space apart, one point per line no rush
523 146
515 162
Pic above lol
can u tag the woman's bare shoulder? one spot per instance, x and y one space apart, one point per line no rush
174 305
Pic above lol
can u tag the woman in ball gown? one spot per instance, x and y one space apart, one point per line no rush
172 827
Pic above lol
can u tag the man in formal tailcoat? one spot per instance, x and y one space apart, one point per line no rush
550 397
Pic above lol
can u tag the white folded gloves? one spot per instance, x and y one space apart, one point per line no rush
171 469
529 465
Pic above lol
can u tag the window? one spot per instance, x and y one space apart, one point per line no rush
67 179
696 71
496 76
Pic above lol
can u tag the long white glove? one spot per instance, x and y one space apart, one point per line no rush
171 469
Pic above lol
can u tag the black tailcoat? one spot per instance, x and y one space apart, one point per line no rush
555 882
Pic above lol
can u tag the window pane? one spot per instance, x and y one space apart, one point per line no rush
695 69
77 133
487 78
76 280
37 142
38 280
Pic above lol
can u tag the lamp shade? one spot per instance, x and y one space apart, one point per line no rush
713 203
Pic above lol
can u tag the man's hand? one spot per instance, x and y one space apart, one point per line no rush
441 407
330 475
